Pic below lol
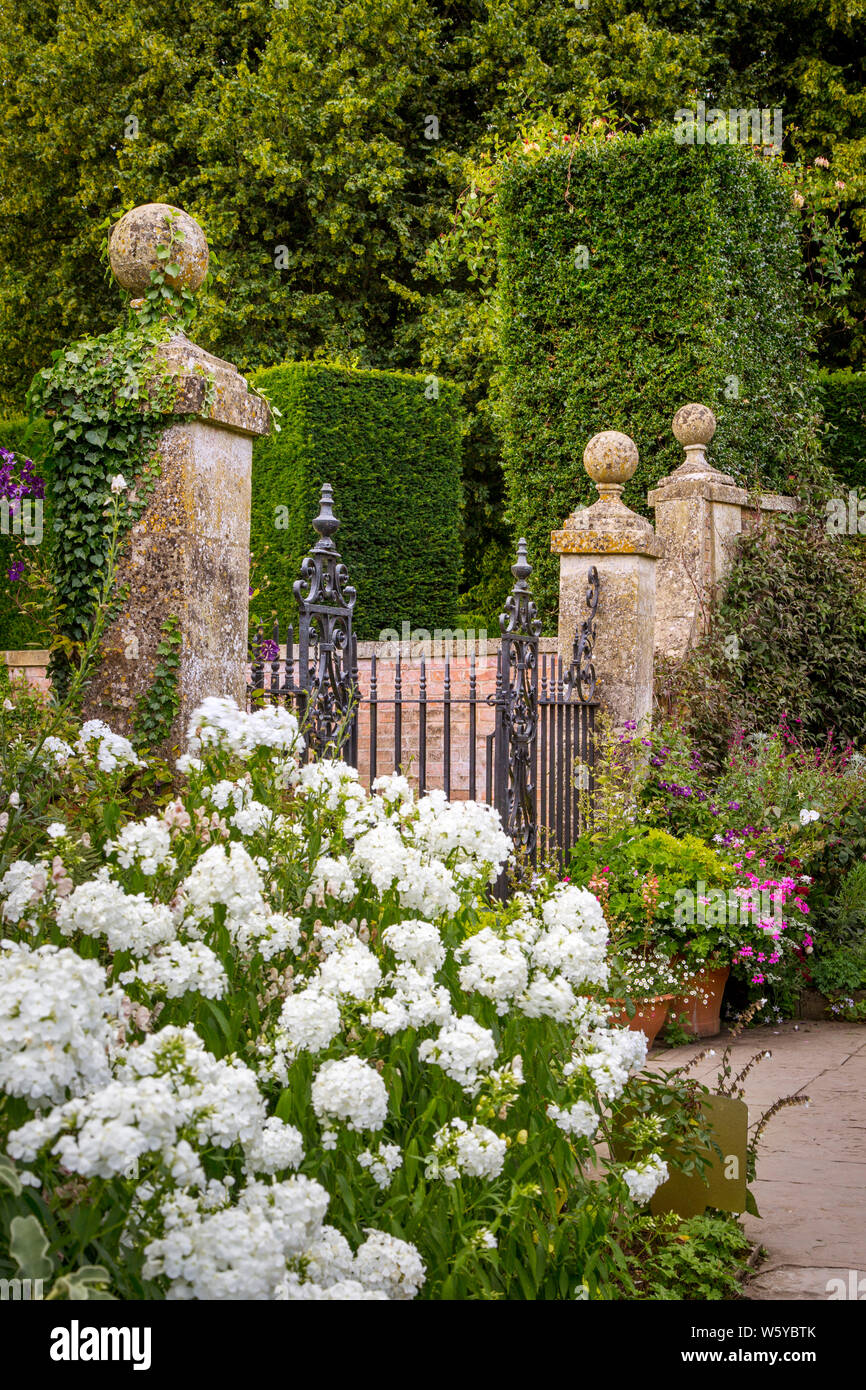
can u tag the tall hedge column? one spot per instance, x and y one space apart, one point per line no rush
187 557
624 549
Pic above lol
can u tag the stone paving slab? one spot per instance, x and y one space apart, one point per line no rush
811 1184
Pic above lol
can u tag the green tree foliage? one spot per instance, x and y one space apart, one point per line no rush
843 399
304 124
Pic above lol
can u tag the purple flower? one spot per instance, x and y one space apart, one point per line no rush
15 570
733 805
268 650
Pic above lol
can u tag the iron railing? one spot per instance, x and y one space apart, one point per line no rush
517 733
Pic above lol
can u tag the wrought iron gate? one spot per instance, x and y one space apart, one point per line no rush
527 746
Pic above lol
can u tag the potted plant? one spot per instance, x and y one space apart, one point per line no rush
673 920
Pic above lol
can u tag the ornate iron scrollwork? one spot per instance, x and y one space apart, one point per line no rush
517 709
325 600
581 679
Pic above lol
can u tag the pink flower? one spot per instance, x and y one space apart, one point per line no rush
757 979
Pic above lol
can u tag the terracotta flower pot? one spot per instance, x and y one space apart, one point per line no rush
698 1018
649 1016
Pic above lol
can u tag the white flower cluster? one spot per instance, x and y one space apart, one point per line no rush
381 1163
178 969
242 1251
331 881
335 787
608 1057
276 1147
580 1119
165 1092
144 844
112 750
219 723
128 922
231 877
463 1150
383 856
227 876
273 1245
57 750
495 968
349 972
417 942
309 1021
574 942
462 1049
56 1018
22 885
350 1091
643 1182
467 835
410 998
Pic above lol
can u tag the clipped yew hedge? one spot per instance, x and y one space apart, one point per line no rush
389 443
636 275
843 400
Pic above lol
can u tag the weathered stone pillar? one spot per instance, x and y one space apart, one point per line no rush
699 512
624 549
188 554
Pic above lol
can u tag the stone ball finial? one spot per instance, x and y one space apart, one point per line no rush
610 459
694 424
134 240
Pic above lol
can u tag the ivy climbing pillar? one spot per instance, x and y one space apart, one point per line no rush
624 549
185 561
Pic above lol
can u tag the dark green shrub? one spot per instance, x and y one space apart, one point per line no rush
843 400
788 637
19 629
389 444
692 290
840 970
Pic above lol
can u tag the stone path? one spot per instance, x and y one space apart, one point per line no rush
811 1183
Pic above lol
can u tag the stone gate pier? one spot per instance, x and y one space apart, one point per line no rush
188 554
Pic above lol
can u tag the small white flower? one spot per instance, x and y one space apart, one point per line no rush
56 830
118 483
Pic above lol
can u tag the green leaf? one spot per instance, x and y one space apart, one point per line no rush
28 1246
9 1175
751 1204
